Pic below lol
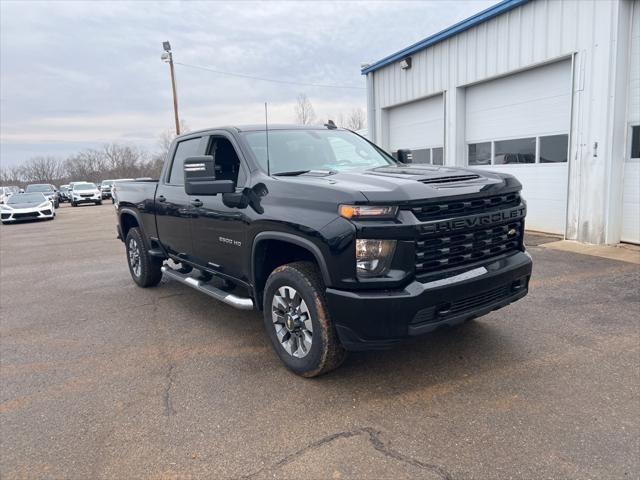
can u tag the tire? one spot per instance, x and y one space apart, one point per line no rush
144 269
112 200
300 284
99 203
74 204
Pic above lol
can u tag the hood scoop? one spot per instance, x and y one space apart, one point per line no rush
450 179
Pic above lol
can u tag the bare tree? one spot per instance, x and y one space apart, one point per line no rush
42 169
304 112
356 120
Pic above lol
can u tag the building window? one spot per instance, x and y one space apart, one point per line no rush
480 153
554 148
635 141
421 156
520 150
437 156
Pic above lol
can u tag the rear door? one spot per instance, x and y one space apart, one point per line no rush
173 208
219 230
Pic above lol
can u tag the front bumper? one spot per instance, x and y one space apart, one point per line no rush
25 214
92 199
106 194
380 319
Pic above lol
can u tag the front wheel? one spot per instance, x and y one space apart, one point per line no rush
145 269
99 202
298 322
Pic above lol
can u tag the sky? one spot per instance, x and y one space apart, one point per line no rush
76 75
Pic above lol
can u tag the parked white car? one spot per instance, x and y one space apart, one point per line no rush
27 206
85 193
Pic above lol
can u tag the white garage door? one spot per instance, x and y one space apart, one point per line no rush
631 193
520 125
418 126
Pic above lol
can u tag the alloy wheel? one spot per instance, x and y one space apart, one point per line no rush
292 322
134 257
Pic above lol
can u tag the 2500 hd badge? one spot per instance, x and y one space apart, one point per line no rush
339 245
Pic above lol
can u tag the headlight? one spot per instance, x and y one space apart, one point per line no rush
6 208
45 204
367 211
373 257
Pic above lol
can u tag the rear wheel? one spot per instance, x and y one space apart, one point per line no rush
298 322
144 269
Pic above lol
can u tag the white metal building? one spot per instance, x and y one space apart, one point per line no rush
548 90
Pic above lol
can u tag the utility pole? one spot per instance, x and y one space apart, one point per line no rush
168 57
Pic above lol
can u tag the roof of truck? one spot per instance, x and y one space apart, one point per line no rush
261 127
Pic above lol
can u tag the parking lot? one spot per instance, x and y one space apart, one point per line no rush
102 379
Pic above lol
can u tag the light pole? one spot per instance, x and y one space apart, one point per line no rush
168 57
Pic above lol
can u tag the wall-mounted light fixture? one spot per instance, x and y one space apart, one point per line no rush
405 63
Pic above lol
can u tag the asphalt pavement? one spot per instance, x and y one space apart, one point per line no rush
102 379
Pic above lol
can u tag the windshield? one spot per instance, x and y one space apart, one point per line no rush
38 188
107 183
334 150
26 198
84 186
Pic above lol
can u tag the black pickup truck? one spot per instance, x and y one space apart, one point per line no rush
340 245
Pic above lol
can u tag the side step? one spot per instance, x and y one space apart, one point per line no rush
241 303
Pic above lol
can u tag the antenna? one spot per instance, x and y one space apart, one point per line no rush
266 129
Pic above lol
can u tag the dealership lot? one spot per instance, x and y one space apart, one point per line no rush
102 379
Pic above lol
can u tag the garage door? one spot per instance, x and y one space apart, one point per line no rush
631 193
418 126
520 125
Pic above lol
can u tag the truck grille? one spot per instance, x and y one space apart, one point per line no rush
480 230
434 211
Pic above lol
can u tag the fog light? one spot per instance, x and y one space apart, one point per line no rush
373 257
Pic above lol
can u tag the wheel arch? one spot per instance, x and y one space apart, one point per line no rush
128 220
303 249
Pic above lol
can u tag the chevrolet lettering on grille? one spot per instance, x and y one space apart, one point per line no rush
470 222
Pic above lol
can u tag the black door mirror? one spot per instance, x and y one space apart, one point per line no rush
405 156
200 177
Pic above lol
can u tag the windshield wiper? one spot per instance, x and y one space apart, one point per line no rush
292 173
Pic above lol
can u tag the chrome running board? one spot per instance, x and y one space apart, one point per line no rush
242 303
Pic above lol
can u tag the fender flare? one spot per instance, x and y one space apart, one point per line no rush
134 214
296 240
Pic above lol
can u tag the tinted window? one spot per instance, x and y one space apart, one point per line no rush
635 141
437 156
38 187
421 156
553 149
480 153
521 150
185 149
26 198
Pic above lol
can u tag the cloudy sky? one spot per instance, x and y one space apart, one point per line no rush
80 74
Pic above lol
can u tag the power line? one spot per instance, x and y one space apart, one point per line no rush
273 80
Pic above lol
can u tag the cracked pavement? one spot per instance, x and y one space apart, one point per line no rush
102 379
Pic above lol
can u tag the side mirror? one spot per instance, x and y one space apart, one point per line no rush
405 156
200 177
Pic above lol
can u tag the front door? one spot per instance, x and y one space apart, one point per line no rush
219 231
174 210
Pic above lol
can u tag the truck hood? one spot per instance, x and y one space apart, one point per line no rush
405 183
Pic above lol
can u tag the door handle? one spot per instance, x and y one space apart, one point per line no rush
196 203
161 198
